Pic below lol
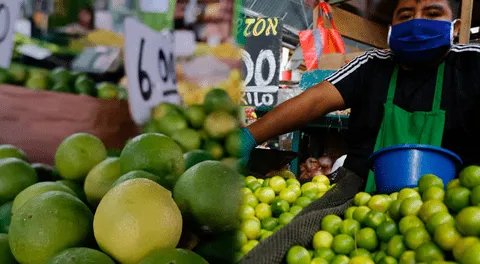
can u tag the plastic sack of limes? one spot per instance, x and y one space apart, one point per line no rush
435 222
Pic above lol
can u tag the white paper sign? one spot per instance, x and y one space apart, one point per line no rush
34 51
150 67
9 13
154 6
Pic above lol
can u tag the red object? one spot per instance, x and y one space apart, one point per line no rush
321 40
287 75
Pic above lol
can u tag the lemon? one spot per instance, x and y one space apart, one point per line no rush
135 218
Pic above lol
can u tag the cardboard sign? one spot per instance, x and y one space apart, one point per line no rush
261 60
150 67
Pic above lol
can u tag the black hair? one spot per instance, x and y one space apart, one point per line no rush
394 4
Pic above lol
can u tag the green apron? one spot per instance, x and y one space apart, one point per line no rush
402 127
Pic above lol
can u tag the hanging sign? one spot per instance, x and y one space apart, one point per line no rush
9 13
150 67
261 60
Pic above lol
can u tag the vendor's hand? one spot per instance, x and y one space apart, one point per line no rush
248 144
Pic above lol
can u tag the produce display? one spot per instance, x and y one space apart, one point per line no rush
427 224
60 80
271 203
140 207
209 130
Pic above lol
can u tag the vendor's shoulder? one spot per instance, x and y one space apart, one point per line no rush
466 50
376 54
467 55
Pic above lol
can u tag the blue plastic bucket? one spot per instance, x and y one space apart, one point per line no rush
401 166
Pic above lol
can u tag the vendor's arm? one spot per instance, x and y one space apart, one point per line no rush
298 111
338 92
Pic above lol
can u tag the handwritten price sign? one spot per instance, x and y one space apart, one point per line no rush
150 67
261 60
9 13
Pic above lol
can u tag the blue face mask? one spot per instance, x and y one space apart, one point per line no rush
420 40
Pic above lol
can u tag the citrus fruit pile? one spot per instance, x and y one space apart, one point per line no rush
426 224
206 131
60 80
269 204
140 207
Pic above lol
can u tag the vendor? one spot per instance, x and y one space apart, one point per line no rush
424 90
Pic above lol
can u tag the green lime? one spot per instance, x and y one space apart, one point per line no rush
251 227
249 246
9 151
408 257
475 196
254 186
360 252
218 125
293 182
58 219
6 256
288 195
361 199
266 195
468 221
78 154
319 261
233 144
386 230
188 139
277 183
350 227
361 260
312 195
295 210
322 239
408 222
262 211
265 235
446 236
16 175
415 237
408 193
429 252
394 209
374 219
5 217
343 244
361 213
106 90
170 124
325 253
82 256
457 198
251 199
309 187
470 177
296 188
379 256
331 224
396 246
247 211
439 219
85 86
430 208
138 175
285 218
34 190
303 201
279 207
176 255
278 227
429 180
411 206
269 223
462 245
349 212
298 255
195 115
367 239
433 193
379 203
340 259
472 255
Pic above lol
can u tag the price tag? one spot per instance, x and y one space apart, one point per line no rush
261 61
150 67
9 13
34 51
97 60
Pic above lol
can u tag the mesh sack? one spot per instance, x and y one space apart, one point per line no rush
302 229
